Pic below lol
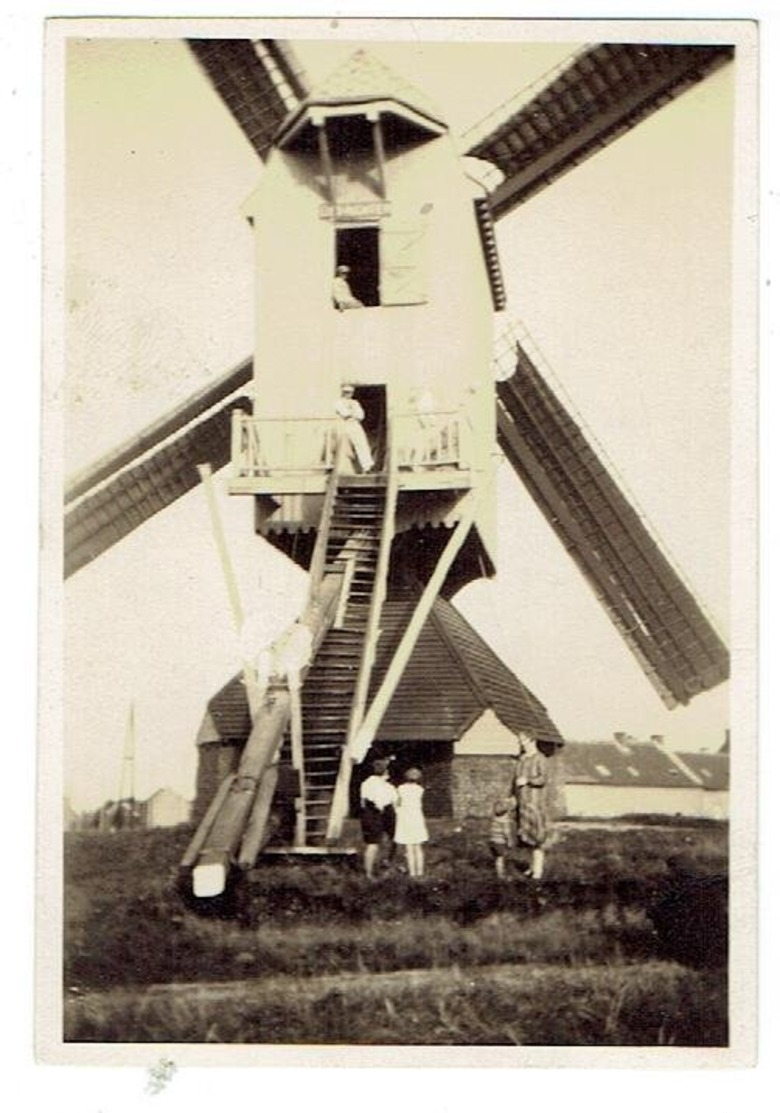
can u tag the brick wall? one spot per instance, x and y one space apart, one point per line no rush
478 780
215 761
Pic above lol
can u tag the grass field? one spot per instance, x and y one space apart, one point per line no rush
624 943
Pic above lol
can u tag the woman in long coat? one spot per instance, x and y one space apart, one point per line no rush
532 797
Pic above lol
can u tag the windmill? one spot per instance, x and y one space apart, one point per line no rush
604 91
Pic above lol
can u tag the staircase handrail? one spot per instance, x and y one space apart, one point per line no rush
317 562
340 802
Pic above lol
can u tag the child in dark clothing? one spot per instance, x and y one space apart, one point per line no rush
501 836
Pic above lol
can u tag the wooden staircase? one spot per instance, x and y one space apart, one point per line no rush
353 545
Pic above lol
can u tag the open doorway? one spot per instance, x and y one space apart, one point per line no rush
373 399
358 249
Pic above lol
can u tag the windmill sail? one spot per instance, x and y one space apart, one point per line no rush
646 599
108 501
260 82
601 94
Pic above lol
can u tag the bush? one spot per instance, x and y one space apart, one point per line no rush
691 916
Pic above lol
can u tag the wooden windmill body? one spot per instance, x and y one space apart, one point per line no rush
363 169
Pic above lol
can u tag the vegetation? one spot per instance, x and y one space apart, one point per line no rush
624 942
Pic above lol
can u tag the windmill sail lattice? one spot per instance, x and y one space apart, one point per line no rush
124 489
604 92
260 82
643 595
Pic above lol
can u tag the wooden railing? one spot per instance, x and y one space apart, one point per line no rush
270 446
264 446
440 438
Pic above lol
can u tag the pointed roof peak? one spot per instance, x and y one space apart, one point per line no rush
361 79
363 75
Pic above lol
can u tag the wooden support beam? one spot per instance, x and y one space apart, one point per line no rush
296 747
254 695
317 563
196 842
218 852
379 151
256 833
325 158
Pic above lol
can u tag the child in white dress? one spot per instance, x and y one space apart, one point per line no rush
411 830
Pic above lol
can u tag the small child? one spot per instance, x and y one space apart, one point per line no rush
411 830
502 836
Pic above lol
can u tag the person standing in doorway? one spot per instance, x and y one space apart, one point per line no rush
352 414
411 830
531 794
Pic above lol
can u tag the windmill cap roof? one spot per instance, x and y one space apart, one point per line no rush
364 75
363 78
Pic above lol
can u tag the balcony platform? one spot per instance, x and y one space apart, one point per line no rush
428 478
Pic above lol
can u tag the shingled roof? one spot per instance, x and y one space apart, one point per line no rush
364 79
645 764
711 769
452 678
363 76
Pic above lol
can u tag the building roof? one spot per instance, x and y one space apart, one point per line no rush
169 793
362 78
631 762
711 769
453 676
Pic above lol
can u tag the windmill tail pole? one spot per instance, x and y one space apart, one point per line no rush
239 821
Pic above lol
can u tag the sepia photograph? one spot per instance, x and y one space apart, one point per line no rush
400 377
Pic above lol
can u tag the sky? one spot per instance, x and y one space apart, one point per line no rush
620 271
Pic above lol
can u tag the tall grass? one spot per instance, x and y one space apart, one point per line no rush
650 1005
322 955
